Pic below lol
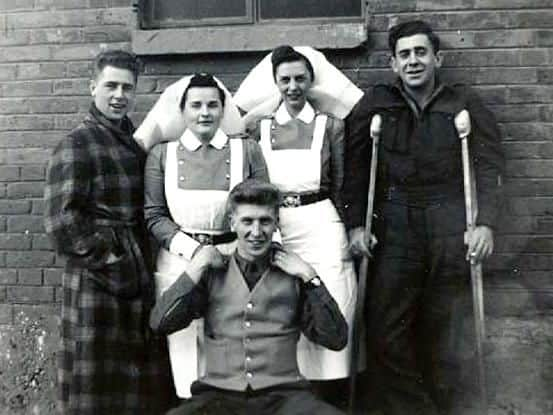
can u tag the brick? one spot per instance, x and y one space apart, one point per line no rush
29 277
82 51
530 168
6 314
40 70
29 259
51 105
53 276
535 150
478 76
26 88
26 224
9 173
54 19
118 16
31 122
8 72
526 131
3 222
9 241
530 94
41 243
25 156
68 121
79 69
14 207
8 276
106 34
530 206
65 35
14 38
528 187
61 4
530 262
58 293
545 75
36 53
511 4
24 139
37 207
30 294
23 190
3 294
33 172
72 87
536 225
525 244
519 112
496 57
12 5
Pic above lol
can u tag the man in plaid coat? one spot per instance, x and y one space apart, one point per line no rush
109 362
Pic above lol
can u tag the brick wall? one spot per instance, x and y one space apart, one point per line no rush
502 47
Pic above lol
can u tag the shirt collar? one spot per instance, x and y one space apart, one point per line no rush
192 143
307 114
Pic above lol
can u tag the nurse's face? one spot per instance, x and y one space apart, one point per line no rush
293 81
203 111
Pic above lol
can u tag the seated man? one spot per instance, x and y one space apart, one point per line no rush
255 304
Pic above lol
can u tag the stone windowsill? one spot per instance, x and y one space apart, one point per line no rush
247 38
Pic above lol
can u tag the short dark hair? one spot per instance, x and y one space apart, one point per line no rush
253 192
410 28
286 53
202 80
119 59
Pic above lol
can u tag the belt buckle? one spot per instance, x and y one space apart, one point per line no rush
291 201
204 238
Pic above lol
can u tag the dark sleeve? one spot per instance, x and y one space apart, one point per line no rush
67 201
322 321
488 160
357 155
335 134
180 304
156 212
256 165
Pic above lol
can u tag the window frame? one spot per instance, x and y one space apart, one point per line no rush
321 33
154 24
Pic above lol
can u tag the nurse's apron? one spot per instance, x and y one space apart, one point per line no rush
195 211
316 233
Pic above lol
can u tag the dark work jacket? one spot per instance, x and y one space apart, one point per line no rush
420 151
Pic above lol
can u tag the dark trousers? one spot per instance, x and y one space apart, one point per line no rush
292 399
420 309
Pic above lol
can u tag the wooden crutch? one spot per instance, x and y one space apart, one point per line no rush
462 124
375 128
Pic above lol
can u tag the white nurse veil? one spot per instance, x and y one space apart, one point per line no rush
331 92
165 121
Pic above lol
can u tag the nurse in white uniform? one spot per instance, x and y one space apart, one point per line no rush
187 181
303 148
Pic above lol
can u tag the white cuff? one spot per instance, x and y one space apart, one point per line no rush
183 245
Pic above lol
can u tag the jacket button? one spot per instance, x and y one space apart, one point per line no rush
181 178
249 375
249 306
181 161
248 324
248 359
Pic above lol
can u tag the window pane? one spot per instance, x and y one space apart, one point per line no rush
289 9
198 9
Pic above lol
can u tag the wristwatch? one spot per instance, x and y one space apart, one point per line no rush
315 281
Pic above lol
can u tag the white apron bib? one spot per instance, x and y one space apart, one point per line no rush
195 211
316 233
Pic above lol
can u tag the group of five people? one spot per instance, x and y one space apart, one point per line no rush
255 283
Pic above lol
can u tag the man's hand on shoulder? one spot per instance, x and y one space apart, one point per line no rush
207 256
293 265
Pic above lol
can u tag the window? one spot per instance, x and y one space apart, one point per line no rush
184 13
208 26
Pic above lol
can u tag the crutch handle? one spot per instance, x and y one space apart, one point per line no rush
462 124
376 126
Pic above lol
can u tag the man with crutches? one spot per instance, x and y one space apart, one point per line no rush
420 317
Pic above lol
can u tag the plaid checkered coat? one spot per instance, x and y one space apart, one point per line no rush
109 362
